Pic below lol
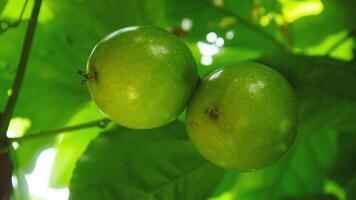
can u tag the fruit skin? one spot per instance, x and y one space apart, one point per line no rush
243 116
143 76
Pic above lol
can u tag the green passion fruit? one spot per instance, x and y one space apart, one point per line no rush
243 116
141 77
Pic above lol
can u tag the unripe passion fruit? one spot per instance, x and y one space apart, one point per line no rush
141 77
243 116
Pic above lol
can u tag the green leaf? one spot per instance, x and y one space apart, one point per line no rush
2 5
314 76
148 164
344 166
71 146
314 23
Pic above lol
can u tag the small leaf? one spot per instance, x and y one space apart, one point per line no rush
143 164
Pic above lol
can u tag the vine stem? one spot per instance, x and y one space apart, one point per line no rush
10 105
98 123
252 27
16 23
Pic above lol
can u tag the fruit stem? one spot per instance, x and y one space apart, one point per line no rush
90 76
10 25
98 123
212 112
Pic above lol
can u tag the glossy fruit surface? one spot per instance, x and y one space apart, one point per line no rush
243 116
141 77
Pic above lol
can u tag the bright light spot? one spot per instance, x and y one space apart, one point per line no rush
343 52
13 8
60 138
293 10
208 49
225 196
38 179
132 93
15 145
215 75
279 19
230 35
219 42
158 49
332 187
211 37
206 60
9 92
187 24
218 3
14 181
18 126
255 87
130 28
266 19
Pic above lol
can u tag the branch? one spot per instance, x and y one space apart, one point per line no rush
99 123
16 23
341 41
252 27
7 114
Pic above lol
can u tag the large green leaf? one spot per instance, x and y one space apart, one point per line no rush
149 164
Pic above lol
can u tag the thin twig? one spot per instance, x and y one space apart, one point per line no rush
98 123
16 23
341 41
252 27
10 105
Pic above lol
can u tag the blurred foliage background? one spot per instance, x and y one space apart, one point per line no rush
311 42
